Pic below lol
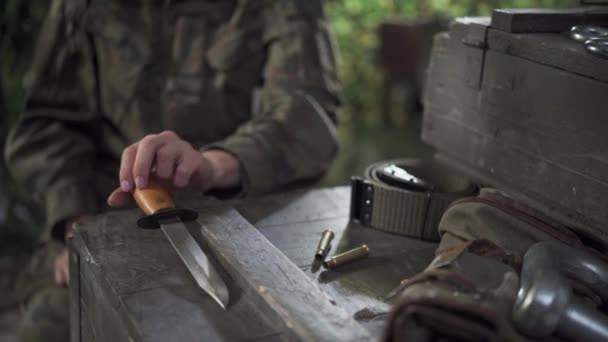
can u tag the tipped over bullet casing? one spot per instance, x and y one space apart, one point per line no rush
347 257
324 245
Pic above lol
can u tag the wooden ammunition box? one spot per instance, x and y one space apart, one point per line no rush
515 103
128 284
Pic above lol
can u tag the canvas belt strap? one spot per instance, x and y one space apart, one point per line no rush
399 209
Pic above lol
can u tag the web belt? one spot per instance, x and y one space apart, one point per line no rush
397 207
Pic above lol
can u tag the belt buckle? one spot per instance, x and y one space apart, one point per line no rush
361 200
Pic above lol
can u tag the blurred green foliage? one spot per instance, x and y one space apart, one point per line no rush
355 25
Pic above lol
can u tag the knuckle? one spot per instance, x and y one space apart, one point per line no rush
148 139
184 171
193 156
129 150
168 134
163 153
163 173
140 167
184 143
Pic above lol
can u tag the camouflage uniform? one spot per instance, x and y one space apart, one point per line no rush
256 78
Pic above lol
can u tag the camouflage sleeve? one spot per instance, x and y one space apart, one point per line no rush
291 135
51 150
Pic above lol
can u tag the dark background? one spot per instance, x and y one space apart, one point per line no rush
367 133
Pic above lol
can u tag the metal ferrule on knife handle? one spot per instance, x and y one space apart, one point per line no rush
324 245
347 257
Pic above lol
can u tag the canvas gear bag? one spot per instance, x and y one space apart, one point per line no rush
467 292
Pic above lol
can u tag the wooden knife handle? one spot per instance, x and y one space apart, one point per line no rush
153 198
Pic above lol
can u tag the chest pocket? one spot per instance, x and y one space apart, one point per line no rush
216 63
124 55
183 91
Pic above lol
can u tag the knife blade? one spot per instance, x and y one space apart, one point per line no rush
160 210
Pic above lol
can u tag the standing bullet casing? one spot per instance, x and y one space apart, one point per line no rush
347 257
324 245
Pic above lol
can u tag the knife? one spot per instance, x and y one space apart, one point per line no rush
159 210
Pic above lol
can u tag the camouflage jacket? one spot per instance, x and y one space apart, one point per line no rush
256 78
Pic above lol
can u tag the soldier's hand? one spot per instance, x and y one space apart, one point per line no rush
173 161
61 267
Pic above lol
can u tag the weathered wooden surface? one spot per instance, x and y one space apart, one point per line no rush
546 20
294 222
535 128
132 280
451 92
134 286
74 295
555 50
469 37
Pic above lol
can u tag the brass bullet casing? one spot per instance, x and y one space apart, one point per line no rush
347 257
324 245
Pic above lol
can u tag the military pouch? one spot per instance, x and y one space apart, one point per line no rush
468 290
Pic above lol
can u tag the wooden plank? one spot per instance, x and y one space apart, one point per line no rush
553 116
527 178
511 149
534 129
471 32
162 274
597 16
556 50
446 90
104 316
174 313
155 293
549 113
74 260
546 20
535 20
86 328
154 267
298 241
106 236
271 297
294 206
257 264
359 288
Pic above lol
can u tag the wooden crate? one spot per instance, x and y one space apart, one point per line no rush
128 284
525 112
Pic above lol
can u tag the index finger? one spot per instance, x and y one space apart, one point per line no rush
146 152
126 168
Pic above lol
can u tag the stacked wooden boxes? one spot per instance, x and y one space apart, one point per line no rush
515 103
